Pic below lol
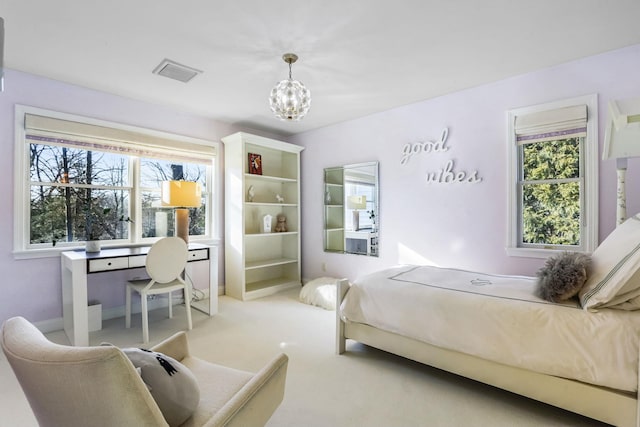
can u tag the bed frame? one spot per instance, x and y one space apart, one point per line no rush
611 406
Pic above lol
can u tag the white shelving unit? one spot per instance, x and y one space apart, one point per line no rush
257 263
334 209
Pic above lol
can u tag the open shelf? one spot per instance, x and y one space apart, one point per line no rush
269 263
268 287
256 177
283 233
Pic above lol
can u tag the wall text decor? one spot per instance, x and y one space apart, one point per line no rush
445 175
425 147
449 176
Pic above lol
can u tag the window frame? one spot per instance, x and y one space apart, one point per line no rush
588 194
22 246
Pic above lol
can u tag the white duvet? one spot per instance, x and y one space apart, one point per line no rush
499 318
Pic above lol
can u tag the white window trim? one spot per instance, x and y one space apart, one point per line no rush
590 217
21 163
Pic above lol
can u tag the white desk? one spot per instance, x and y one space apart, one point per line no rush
77 265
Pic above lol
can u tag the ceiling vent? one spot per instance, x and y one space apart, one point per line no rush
175 71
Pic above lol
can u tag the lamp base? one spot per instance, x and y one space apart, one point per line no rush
356 220
621 203
182 224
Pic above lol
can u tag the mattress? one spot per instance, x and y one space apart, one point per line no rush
499 318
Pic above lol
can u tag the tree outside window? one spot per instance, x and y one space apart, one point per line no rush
550 192
77 195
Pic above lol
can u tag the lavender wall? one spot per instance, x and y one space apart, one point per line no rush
31 287
460 225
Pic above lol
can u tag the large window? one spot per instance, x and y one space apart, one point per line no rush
78 179
553 180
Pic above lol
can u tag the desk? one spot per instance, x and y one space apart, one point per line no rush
77 265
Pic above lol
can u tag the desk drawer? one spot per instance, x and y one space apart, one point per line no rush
198 254
137 261
107 264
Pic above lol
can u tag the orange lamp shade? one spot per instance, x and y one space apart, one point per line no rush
181 194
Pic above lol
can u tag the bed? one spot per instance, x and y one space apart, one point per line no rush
581 355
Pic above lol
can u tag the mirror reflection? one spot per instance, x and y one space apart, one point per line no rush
351 220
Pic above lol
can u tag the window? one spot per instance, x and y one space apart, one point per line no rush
79 179
159 221
553 185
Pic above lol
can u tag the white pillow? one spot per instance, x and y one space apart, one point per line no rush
613 279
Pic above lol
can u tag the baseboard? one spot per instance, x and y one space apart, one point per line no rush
152 304
57 324
50 325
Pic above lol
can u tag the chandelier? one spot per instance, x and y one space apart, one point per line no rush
290 99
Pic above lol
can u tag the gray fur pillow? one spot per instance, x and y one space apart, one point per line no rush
563 276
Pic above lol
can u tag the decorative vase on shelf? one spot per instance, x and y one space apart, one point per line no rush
251 193
92 246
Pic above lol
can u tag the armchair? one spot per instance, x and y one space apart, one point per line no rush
99 386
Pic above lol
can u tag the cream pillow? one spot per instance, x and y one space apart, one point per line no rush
613 279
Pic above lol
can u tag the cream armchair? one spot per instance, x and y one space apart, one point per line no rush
98 386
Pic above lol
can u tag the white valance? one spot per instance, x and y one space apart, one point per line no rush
549 125
52 131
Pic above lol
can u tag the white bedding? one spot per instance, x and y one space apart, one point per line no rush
499 318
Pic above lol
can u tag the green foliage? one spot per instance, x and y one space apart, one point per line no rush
47 225
98 223
551 192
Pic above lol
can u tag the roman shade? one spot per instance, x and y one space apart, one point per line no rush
53 131
549 125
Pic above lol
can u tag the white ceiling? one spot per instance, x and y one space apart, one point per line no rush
356 56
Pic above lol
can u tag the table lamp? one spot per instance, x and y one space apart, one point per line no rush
355 203
621 141
181 195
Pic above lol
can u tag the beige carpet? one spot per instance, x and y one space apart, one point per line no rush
364 387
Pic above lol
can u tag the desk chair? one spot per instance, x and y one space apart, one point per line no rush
165 263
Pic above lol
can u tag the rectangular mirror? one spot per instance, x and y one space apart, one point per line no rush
351 220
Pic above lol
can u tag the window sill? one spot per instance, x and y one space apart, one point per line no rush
55 252
536 253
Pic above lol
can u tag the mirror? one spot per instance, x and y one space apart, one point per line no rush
351 220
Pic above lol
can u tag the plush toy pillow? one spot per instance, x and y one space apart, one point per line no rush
563 276
172 385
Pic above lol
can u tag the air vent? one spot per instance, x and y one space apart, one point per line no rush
175 71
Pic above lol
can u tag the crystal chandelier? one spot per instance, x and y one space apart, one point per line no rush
290 99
